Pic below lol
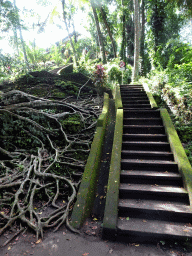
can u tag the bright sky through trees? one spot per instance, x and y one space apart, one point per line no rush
33 13
36 11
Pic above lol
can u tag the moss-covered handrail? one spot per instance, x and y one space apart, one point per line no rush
180 156
117 97
87 190
112 198
150 96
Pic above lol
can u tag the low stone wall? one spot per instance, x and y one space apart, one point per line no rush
180 156
150 96
112 197
117 97
86 194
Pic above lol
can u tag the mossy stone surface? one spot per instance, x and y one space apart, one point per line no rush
118 101
151 100
111 206
65 70
86 194
180 156
150 96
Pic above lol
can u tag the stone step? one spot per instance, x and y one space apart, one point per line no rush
151 177
136 105
138 97
133 108
146 146
134 164
153 205
139 230
130 91
152 209
133 94
141 113
147 155
143 129
138 101
142 121
131 86
153 192
145 137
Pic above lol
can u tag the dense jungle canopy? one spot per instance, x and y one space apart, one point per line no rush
48 114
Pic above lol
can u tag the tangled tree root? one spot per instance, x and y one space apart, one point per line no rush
44 147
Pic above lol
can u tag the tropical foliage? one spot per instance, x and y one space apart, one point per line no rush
143 35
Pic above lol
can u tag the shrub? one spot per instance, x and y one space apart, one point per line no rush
188 150
127 74
114 74
184 132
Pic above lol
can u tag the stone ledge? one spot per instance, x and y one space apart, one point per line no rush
86 194
178 151
112 198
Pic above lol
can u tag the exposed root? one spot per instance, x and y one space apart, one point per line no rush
15 235
44 147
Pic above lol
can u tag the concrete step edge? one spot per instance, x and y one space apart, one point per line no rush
153 228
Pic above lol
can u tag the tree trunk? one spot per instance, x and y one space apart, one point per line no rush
102 47
136 41
143 71
24 50
123 43
16 44
21 37
75 34
108 30
71 42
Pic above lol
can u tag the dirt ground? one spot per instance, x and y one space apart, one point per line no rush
88 243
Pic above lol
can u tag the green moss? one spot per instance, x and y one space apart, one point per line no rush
151 100
178 151
86 194
111 206
80 155
58 94
102 118
117 97
66 70
150 97
38 91
61 169
67 87
72 124
85 197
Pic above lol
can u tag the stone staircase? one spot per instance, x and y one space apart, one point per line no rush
153 204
